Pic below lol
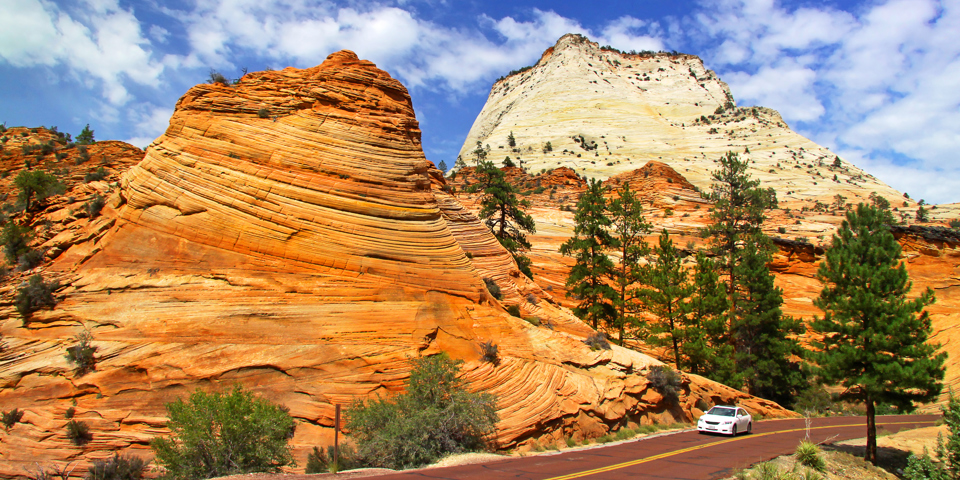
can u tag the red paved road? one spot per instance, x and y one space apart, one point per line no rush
685 455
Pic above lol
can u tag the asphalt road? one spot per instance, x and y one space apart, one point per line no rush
685 455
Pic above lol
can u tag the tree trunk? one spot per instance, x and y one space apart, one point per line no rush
871 453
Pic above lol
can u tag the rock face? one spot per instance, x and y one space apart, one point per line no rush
605 113
287 233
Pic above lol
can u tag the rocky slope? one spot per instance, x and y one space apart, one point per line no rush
287 233
606 113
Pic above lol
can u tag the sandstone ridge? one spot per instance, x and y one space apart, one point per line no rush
287 233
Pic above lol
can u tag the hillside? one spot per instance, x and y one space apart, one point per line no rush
287 233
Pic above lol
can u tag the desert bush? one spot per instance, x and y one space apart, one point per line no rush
514 310
493 288
14 239
30 259
36 185
217 77
436 416
118 467
665 380
218 434
99 174
320 461
598 341
489 352
808 454
69 413
81 354
78 432
94 205
11 418
263 113
35 294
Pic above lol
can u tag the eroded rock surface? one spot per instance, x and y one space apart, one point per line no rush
287 233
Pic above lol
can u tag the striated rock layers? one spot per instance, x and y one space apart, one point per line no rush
287 233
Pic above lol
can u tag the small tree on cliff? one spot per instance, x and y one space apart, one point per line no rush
85 137
503 213
36 185
874 341
587 279
442 166
627 228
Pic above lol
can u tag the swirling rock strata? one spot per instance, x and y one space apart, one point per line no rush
287 233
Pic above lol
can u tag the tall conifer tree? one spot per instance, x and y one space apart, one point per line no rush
666 295
627 228
587 280
503 213
707 349
875 342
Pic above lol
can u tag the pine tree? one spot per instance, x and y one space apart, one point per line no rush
503 213
707 349
627 228
587 280
765 340
85 137
666 295
442 166
480 154
874 341
511 140
38 185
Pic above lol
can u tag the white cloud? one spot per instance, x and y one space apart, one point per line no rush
787 84
99 42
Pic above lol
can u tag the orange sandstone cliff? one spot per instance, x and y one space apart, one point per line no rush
288 234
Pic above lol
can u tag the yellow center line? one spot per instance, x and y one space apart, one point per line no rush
711 444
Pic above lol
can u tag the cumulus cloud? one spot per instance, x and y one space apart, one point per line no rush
99 43
879 85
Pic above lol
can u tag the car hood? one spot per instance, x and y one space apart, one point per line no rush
716 418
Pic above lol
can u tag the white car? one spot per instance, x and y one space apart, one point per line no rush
725 419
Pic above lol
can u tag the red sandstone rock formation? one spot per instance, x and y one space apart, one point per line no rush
287 233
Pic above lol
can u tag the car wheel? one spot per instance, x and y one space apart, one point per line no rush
733 433
750 428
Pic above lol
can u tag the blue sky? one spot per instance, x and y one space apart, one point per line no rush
877 81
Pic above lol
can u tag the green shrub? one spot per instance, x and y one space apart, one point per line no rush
493 288
219 434
81 354
85 137
319 461
117 468
514 310
95 176
78 432
489 352
436 416
94 205
263 113
808 454
571 442
14 239
36 185
69 413
12 417
598 341
35 294
665 380
923 467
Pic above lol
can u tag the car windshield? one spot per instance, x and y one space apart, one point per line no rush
721 412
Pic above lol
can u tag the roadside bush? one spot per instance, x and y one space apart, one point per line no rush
319 461
35 294
436 416
81 354
598 341
924 467
117 468
493 288
11 418
218 434
666 381
808 454
78 432
814 401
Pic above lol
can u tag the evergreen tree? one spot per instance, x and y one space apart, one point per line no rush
86 136
35 184
480 154
442 166
627 228
508 163
587 280
874 341
707 349
511 140
503 213
765 340
666 295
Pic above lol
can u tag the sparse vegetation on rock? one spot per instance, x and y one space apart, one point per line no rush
35 294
